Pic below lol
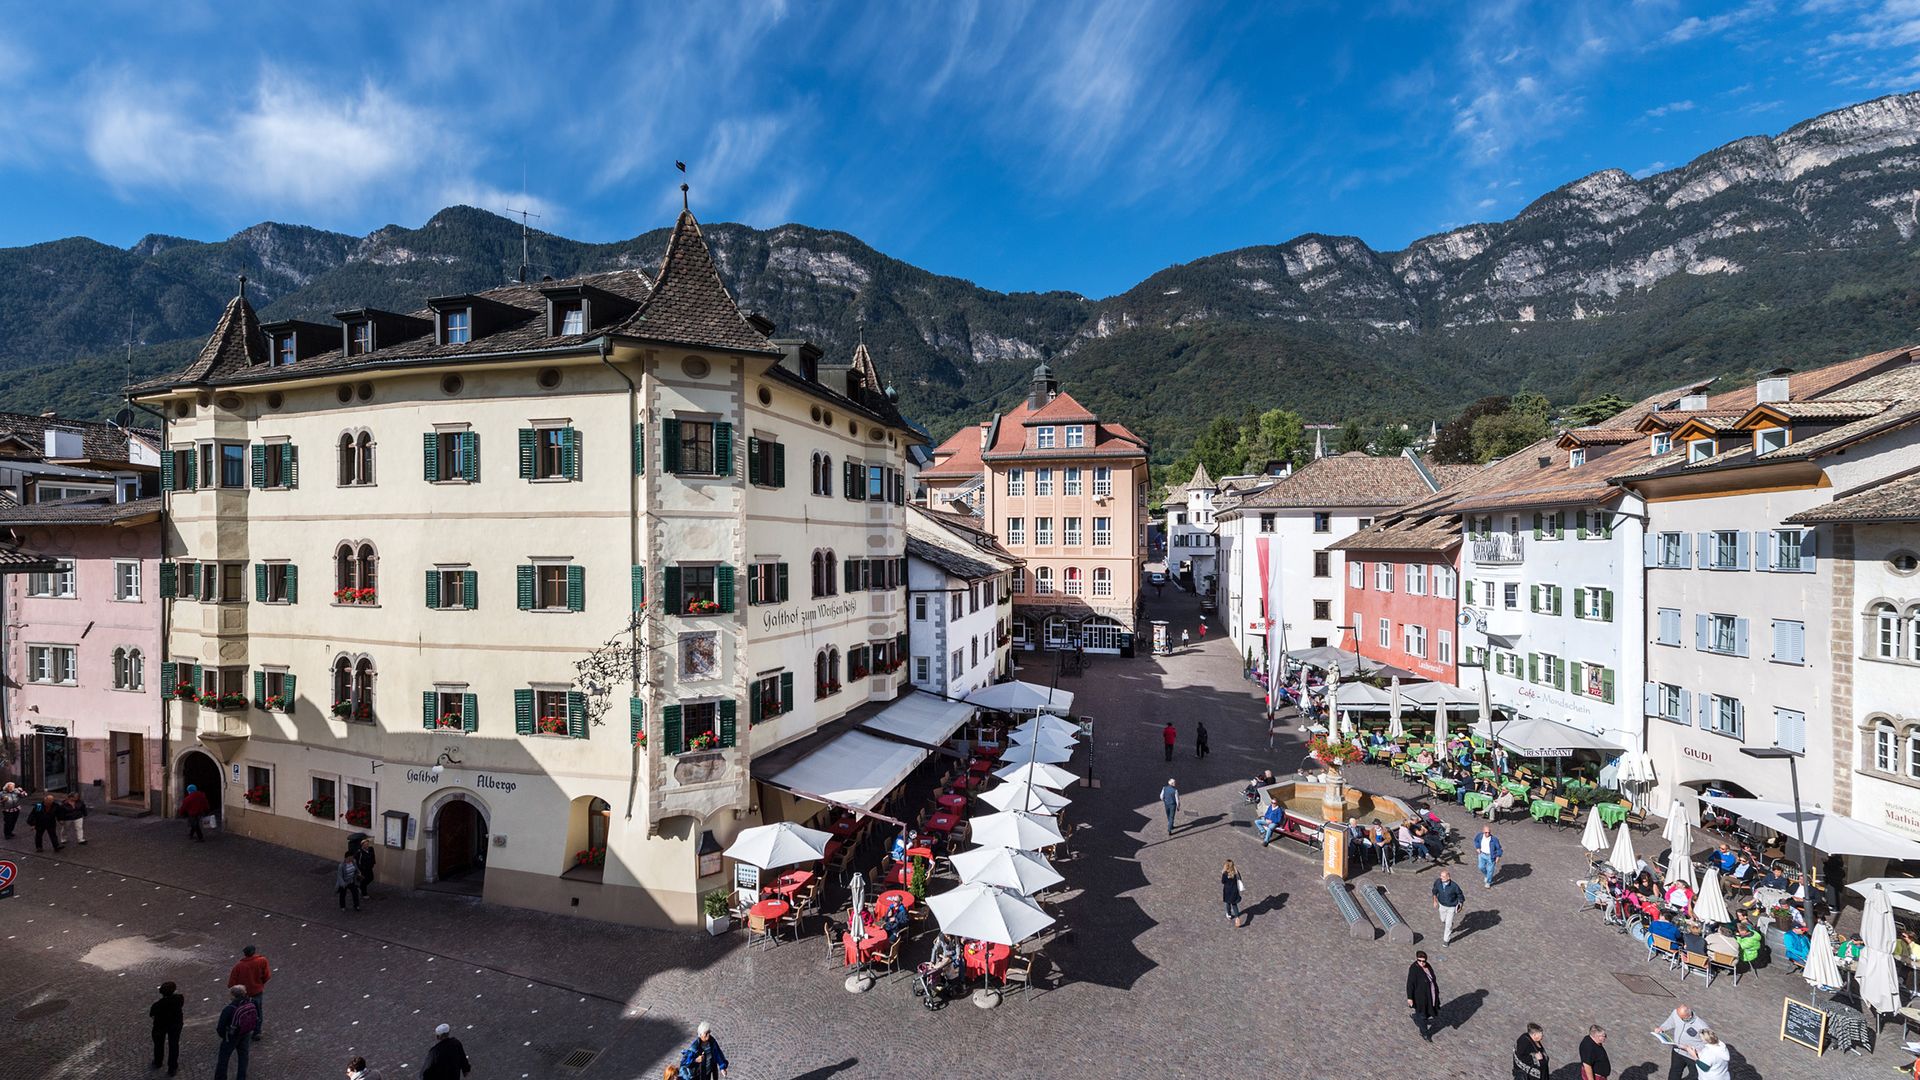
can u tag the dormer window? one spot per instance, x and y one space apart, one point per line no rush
360 338
1576 457
1767 440
1699 450
1076 435
1662 443
456 326
570 317
1043 438
283 350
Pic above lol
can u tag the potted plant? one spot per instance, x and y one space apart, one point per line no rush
715 906
321 808
344 596
365 596
917 885
552 725
184 691
233 701
702 607
343 709
448 721
276 703
640 739
258 795
359 817
702 741
593 856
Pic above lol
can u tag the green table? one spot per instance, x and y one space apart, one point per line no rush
1483 772
1441 784
1612 814
1477 801
1544 810
1517 789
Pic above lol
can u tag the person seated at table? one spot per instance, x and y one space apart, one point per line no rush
1907 950
1726 859
1663 928
1434 837
1679 897
1773 879
1269 822
1603 889
1850 948
1795 946
1721 942
898 853
1742 874
896 918
1643 882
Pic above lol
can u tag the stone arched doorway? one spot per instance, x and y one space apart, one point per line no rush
199 769
456 840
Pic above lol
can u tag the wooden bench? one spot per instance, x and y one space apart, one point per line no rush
1348 910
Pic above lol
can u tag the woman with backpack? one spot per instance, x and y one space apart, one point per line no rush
347 880
1231 890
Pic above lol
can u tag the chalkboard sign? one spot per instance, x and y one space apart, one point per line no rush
1804 1024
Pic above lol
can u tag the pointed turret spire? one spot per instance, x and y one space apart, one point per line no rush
689 304
235 344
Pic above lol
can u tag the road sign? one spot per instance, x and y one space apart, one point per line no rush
7 872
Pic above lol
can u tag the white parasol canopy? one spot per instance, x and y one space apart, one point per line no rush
1623 858
1045 754
1052 776
1022 796
1822 969
983 912
1021 697
1679 868
1711 904
1052 725
1044 740
1015 829
781 844
1595 837
1025 872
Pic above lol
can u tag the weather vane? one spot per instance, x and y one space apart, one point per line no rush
682 166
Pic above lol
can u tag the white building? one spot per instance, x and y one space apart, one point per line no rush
959 604
1193 543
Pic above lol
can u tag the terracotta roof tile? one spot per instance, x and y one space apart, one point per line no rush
690 305
1062 409
85 510
1350 479
1885 500
102 442
1104 440
958 457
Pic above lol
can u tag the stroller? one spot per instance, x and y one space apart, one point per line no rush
940 979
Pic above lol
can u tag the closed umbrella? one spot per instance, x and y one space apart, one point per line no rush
1595 838
1876 921
1711 904
857 902
1025 872
985 912
1394 728
1052 776
1623 858
1678 831
1015 829
781 844
1679 869
1822 969
1025 797
1879 982
1052 725
1439 720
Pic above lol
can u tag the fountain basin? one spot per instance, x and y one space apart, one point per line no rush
1306 804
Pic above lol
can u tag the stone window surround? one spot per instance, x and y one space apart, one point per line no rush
1903 728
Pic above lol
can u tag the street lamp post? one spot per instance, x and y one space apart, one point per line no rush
1770 753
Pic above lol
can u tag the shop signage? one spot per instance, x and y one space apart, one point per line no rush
1901 818
824 611
1696 754
482 781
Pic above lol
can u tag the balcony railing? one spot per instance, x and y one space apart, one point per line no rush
1499 549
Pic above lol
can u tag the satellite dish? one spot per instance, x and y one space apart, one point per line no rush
123 418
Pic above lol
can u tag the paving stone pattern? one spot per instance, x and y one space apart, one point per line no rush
1152 979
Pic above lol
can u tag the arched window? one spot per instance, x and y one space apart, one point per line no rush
1043 580
363 451
129 669
1913 632
1102 581
365 564
1072 577
1913 752
363 689
1886 747
819 568
355 573
1886 631
349 461
343 568
342 686
833 575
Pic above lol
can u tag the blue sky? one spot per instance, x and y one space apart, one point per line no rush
1063 144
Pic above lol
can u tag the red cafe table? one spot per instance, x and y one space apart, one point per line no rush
952 802
967 783
899 875
770 909
918 852
844 827
793 882
885 900
980 767
943 823
986 751
984 959
859 952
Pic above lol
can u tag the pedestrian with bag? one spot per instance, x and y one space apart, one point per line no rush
1231 890
1170 801
346 879
1530 1054
11 797
193 807
168 1015
363 860
704 1060
1169 736
44 820
1423 995
1200 749
252 972
73 813
446 1058
235 1029
1447 899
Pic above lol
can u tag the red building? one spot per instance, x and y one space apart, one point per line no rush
1403 588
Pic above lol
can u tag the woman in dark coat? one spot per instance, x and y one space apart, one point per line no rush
1530 1055
1230 891
168 1019
363 857
1423 995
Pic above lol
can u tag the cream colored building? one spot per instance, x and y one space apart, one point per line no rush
524 576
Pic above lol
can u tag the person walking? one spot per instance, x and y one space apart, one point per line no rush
193 807
44 820
11 798
235 1029
1203 628
253 972
1447 899
363 859
1594 1064
1530 1054
357 1069
73 813
1170 799
446 1058
1200 741
1423 995
1184 639
1488 845
1682 1028
1713 1059
704 1060
1169 736
1231 890
346 879
169 1016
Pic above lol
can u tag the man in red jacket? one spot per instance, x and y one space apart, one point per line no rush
1169 736
194 807
252 973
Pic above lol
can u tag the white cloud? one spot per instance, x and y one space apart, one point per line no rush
1649 169
1671 107
1694 26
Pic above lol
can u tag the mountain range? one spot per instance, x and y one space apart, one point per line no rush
1790 250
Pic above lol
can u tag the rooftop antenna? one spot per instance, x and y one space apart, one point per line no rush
682 166
524 215
243 286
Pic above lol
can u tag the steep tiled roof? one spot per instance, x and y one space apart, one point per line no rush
235 345
866 388
1063 409
1350 479
964 534
102 442
1176 496
949 560
1822 410
1598 436
15 561
86 510
690 305
1897 499
1200 478
1103 439
958 457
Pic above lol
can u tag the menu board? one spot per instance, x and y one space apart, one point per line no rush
1804 1024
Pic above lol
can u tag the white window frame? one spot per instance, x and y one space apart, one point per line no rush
1043 483
1790 730
1416 639
1071 534
1660 626
1446 583
1070 480
1443 646
1017 531
1043 531
126 581
1102 581
1765 443
1386 633
1076 436
1661 443
1713 719
1383 577
1356 575
1672 706
1103 480
1103 532
1669 551
1416 579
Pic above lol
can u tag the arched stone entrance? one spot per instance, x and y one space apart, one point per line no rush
456 839
197 767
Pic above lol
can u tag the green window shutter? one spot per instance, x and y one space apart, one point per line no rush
670 446
289 465
1533 599
259 583
639 448
753 460
1606 605
1469 593
428 716
193 470
523 581
1536 526
1533 667
781 581
169 678
433 590
636 718
258 453
259 689
471 580
523 712
1606 524
722 448
672 598
779 465
670 740
1560 676
293 584
755 711
470 453
1574 675
1579 603
1560 523
1559 599
193 578
753 587
576 715
470 712
1606 685
169 580
576 588
786 692
287 687
527 436
729 721
430 455
639 587
723 586
166 470
570 453
1580 523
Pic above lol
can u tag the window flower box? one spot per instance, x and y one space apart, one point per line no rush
343 709
233 701
258 795
360 817
703 741
276 703
551 725
355 596
186 692
449 721
595 856
321 808
859 673
702 607
363 712
640 739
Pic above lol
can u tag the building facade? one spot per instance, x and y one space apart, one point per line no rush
575 554
1403 588
1193 542
960 605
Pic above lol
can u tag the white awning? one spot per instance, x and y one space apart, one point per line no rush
856 769
1532 736
1359 695
1823 830
922 718
1431 694
1902 893
1019 696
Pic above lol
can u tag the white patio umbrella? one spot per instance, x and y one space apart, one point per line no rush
1047 741
1025 872
1822 969
1440 725
1595 837
1711 904
1678 830
1679 868
1022 829
857 902
1876 921
1046 755
984 912
1052 725
1395 730
1025 797
781 844
1052 776
1879 982
1622 858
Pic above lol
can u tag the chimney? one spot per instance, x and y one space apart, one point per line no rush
986 426
1692 403
1773 386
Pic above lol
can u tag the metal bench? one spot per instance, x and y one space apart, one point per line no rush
1343 903
1386 915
